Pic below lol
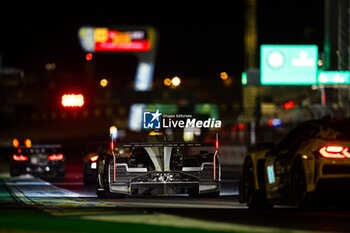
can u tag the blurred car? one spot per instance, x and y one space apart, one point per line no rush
309 167
89 167
90 159
159 168
40 160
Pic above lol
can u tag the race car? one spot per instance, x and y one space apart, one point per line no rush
40 160
89 164
159 168
89 167
309 167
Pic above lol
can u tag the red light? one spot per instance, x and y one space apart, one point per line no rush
88 56
289 105
240 126
346 152
274 122
72 100
94 158
55 157
334 152
19 157
15 142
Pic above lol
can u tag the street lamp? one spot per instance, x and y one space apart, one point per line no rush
223 75
103 82
167 82
176 81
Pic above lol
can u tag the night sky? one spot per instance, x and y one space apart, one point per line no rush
195 42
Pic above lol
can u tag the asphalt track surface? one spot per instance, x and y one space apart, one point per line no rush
70 198
31 204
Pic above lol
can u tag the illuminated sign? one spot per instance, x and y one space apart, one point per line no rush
334 77
288 64
103 39
143 80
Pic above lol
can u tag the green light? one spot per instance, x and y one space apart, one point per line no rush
288 64
163 108
244 78
209 109
334 77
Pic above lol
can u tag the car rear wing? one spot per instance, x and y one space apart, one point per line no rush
165 144
42 146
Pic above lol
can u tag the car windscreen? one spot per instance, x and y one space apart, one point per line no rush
338 130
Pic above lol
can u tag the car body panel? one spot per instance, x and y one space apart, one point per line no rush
163 169
278 162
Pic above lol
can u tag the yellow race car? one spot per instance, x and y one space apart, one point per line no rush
309 167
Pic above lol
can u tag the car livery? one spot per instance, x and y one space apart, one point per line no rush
160 168
310 166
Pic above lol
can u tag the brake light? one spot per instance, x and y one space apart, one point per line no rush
94 158
19 157
72 100
334 152
334 149
55 157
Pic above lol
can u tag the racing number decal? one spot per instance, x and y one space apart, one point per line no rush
270 174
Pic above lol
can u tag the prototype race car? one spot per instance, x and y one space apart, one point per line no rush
309 167
41 160
159 168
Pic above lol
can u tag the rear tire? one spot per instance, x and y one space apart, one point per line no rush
254 198
14 172
299 186
100 188
107 193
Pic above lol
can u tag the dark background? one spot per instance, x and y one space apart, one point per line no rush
197 40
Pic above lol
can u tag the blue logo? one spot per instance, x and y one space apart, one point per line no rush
151 120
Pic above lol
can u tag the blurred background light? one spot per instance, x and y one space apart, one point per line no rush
103 82
88 56
176 81
72 100
223 75
167 82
